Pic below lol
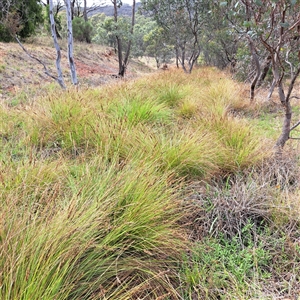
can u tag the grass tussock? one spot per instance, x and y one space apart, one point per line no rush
107 229
95 182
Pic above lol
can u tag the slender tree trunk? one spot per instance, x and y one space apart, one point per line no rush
70 43
72 4
257 66
286 127
265 70
157 62
119 42
126 58
183 58
60 78
272 89
285 132
57 33
85 16
120 54
282 97
193 60
85 11
177 57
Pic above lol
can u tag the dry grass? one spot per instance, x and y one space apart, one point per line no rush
254 211
92 180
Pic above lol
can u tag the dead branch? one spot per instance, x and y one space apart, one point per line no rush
295 126
39 61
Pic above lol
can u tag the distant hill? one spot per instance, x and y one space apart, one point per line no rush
108 10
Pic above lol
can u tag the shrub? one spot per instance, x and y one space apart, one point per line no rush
82 30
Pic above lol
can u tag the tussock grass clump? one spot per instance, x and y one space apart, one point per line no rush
243 147
109 232
91 181
86 121
170 95
138 110
187 154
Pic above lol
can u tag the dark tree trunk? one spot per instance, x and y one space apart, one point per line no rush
177 57
182 60
193 59
286 127
126 58
119 42
120 54
57 33
265 70
257 67
85 16
123 63
85 11
157 62
72 9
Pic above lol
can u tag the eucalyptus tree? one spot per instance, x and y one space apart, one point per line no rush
183 21
230 28
104 30
60 78
157 46
143 26
70 42
220 42
56 9
275 24
123 58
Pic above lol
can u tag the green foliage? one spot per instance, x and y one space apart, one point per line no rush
19 17
82 30
156 46
104 27
182 23
107 30
243 56
147 39
57 20
224 269
5 34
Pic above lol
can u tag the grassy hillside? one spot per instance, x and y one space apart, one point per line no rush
21 76
163 187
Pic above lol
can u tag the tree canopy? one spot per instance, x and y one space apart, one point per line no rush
19 17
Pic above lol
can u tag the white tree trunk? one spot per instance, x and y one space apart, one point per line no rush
60 78
70 42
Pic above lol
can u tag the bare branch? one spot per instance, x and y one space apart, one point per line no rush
289 63
38 60
295 126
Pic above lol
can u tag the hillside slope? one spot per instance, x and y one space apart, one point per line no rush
95 65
